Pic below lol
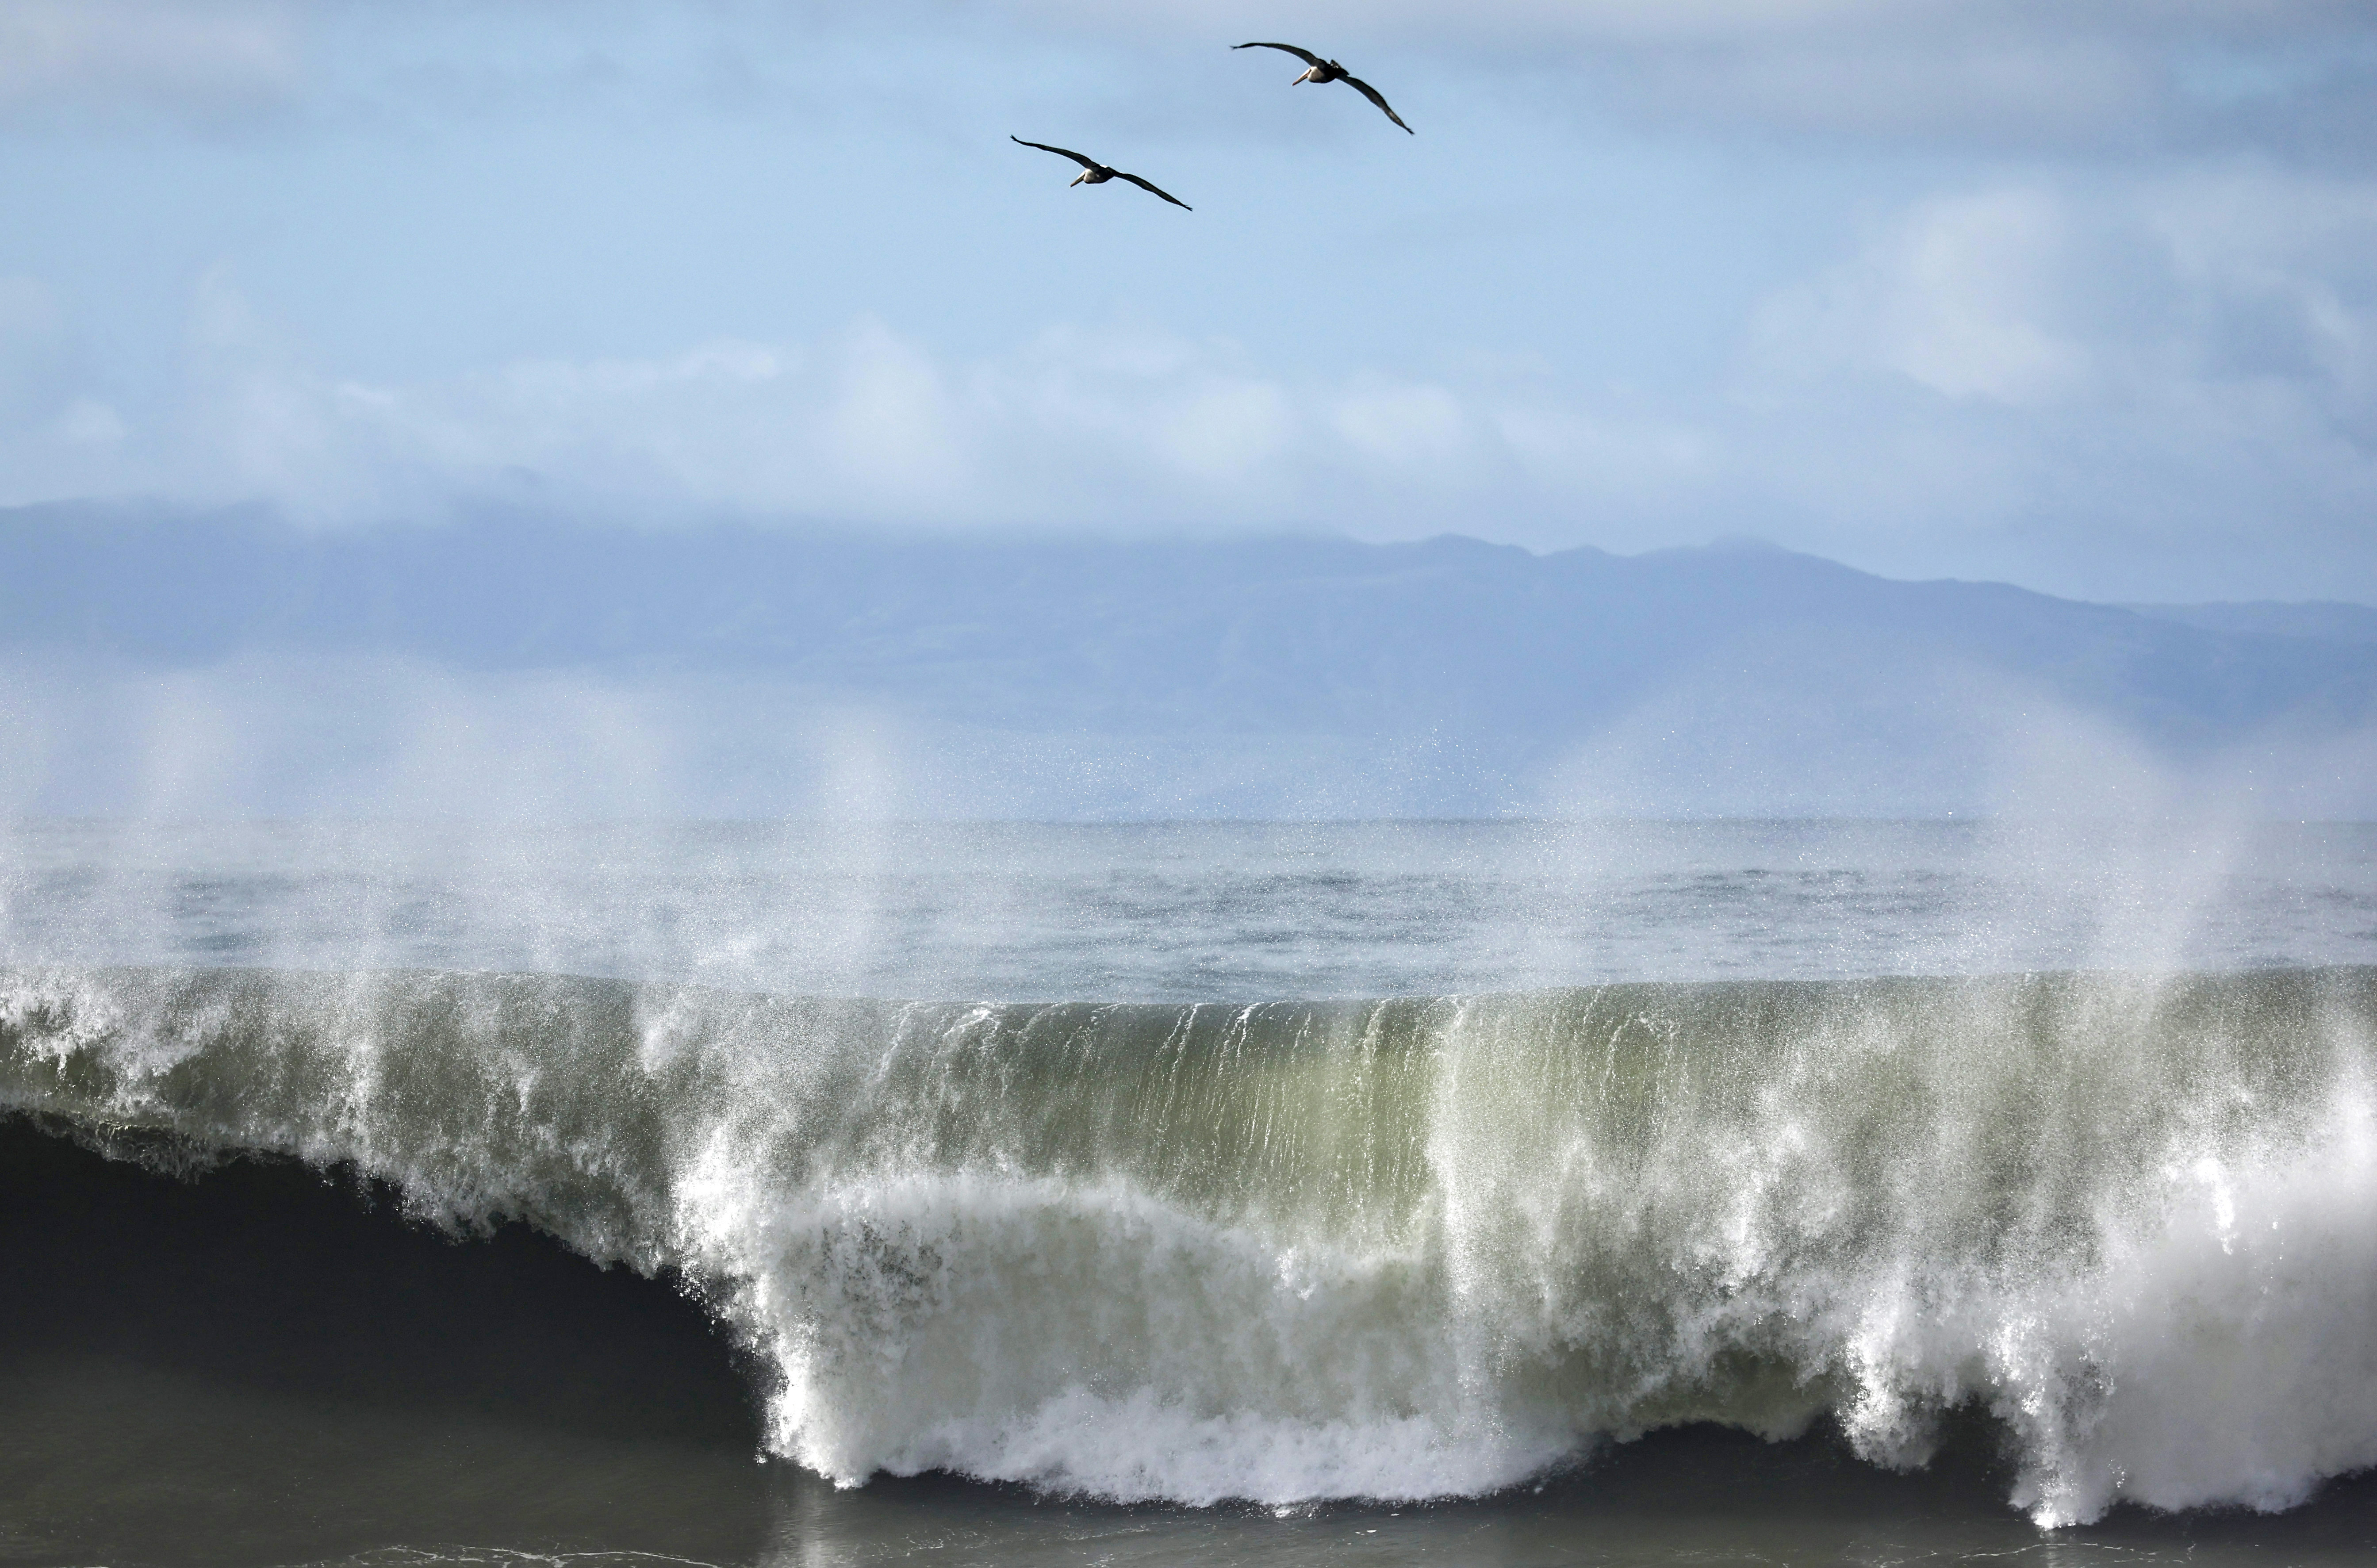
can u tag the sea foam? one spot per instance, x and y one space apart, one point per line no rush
1395 1249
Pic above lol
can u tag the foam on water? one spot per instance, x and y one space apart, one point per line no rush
1392 1250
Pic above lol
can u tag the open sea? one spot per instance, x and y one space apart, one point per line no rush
1370 1193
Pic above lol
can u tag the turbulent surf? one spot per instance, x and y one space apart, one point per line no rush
1392 1250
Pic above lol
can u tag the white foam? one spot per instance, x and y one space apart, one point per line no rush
1428 1250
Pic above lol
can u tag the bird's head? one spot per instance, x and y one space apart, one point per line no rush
1080 177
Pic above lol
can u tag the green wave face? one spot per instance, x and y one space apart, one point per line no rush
1395 1249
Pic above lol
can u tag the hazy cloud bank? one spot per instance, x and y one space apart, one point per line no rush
199 62
2080 296
2121 78
2158 390
171 664
2294 78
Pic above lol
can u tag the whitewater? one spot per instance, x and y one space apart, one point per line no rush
1390 1249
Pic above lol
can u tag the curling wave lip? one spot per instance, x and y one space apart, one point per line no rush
1397 1249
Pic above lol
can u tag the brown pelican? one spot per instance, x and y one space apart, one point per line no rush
1330 70
1096 174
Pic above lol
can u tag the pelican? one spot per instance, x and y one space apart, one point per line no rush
1328 71
1096 174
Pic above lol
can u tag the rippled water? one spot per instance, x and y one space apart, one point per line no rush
1187 912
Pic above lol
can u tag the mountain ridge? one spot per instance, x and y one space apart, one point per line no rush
1506 661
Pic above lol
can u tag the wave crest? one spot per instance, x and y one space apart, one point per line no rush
1395 1249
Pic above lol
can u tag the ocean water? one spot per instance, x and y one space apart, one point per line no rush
1460 1192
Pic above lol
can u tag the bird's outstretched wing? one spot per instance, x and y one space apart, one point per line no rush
1166 195
1306 55
1090 163
1366 90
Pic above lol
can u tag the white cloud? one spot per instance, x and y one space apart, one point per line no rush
1422 428
2118 387
2214 284
1119 428
2145 373
2120 75
33 334
87 422
1963 295
1227 431
889 428
57 438
1628 463
201 59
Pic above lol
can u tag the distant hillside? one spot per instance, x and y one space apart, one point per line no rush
2323 619
1245 675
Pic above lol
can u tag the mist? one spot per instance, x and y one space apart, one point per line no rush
197 666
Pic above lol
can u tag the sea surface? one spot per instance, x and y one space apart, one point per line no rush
1508 1192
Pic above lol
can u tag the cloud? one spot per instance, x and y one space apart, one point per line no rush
1076 427
1423 429
2290 77
1962 296
2125 75
32 347
2112 385
2176 365
57 436
193 60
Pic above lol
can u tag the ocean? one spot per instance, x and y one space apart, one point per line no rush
1461 1192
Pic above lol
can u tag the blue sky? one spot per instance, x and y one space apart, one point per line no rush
2078 295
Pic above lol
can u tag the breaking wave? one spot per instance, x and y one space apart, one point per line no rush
1392 1250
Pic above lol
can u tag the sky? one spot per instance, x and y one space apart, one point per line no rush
2081 295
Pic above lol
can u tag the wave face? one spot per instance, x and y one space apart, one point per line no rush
1390 1250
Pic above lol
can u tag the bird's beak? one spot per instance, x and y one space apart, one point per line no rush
1080 177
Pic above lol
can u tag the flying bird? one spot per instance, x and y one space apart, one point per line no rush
1096 174
1328 71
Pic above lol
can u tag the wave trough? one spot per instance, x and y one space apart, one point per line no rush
1390 1249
